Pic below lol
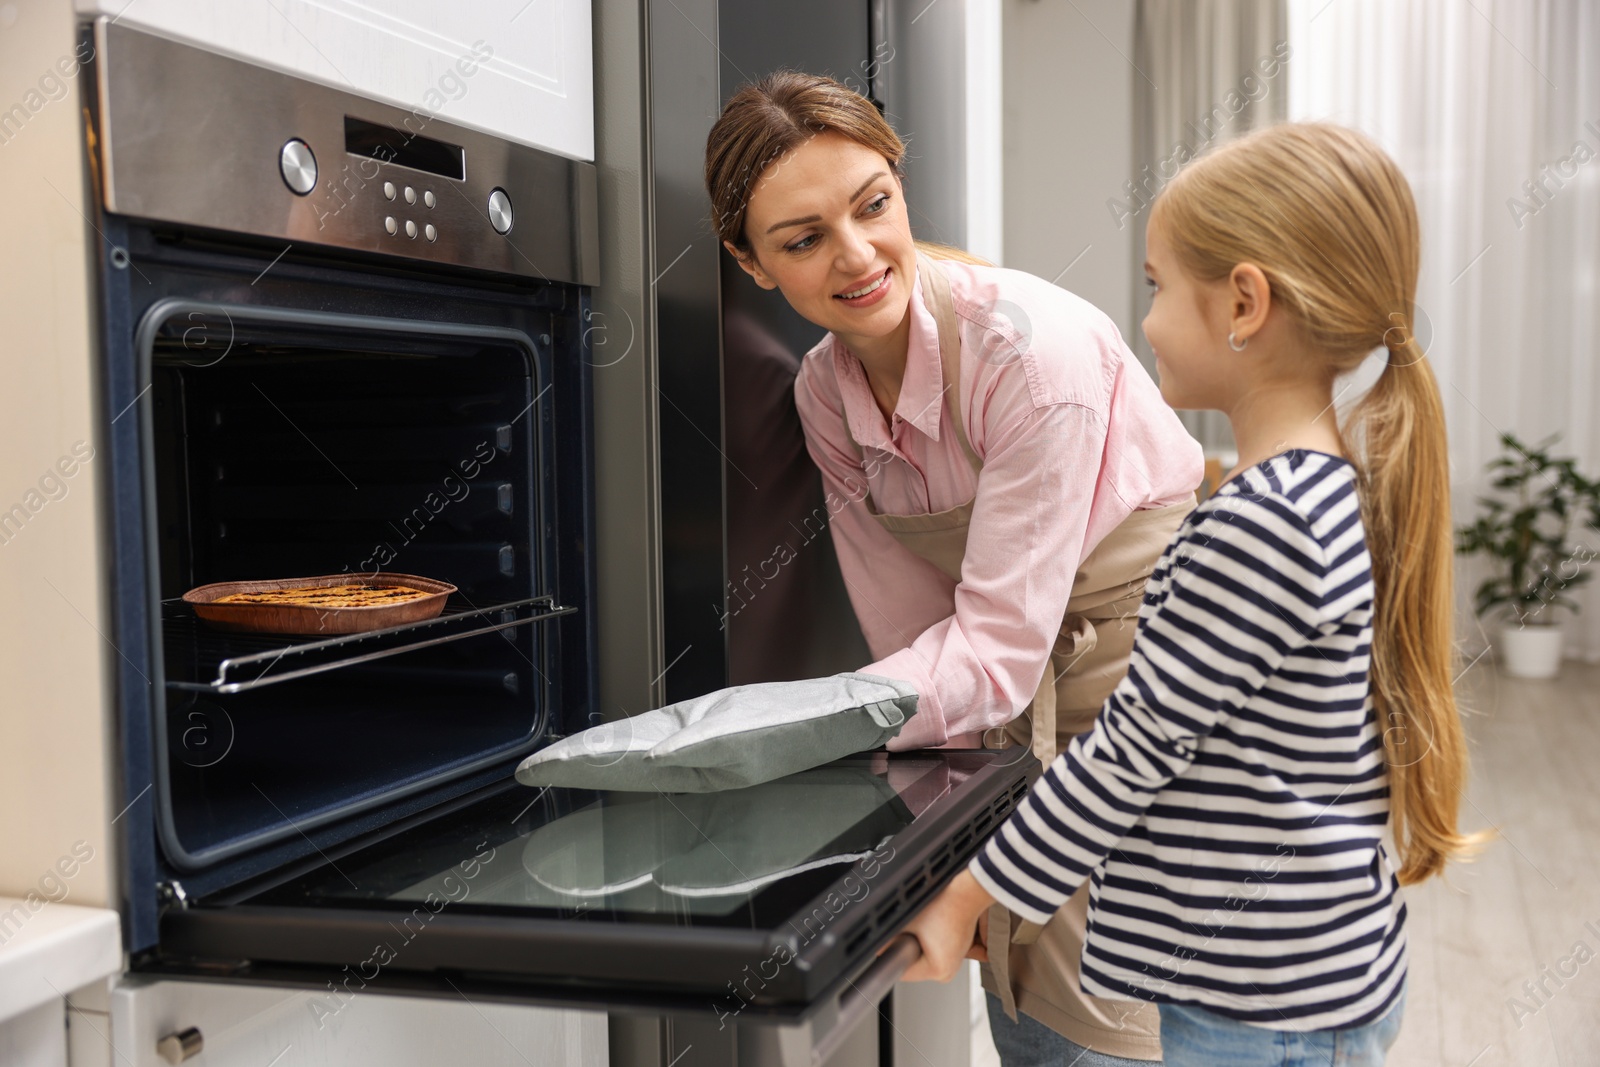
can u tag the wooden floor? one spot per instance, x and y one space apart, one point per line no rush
1528 910
1526 914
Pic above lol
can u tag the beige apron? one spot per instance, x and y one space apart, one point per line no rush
1032 968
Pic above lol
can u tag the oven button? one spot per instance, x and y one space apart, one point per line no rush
411 195
388 190
298 166
389 224
500 211
411 228
430 233
427 198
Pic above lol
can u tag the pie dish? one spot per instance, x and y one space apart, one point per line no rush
327 604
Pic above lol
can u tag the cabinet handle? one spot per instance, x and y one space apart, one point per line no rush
179 1046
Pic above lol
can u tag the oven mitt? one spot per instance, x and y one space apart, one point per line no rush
734 737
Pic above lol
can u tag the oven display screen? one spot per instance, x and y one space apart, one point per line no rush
402 147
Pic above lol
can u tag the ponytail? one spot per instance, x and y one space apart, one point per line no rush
1404 483
1346 271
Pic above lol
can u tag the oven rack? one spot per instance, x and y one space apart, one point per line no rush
239 662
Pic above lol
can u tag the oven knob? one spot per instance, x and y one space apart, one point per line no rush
298 166
500 211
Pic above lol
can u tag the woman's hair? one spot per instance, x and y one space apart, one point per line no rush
1329 219
766 121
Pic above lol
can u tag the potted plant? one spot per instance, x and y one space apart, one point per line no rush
1527 533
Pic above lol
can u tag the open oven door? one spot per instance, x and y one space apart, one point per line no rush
766 905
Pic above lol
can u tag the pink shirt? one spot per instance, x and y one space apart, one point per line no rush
1074 436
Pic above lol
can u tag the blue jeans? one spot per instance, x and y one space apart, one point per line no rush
1030 1043
1195 1037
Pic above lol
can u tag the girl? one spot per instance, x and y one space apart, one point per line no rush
1289 689
1001 477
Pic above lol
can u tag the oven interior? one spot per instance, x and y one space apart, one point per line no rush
280 451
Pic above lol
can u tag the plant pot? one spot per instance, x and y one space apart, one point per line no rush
1530 651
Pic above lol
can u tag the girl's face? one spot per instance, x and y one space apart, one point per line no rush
1187 330
827 226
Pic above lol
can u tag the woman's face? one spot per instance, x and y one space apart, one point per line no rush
827 225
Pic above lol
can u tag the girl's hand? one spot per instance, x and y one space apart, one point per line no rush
952 928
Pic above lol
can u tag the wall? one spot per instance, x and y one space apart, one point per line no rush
53 657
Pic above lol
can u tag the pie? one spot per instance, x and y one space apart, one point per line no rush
354 595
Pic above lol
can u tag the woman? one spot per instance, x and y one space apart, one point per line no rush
1008 475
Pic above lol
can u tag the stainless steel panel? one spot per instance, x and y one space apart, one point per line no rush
921 78
622 349
684 102
192 137
787 612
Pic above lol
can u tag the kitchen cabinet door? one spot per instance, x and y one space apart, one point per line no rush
243 1025
523 69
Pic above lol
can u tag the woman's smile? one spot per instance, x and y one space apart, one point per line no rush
868 293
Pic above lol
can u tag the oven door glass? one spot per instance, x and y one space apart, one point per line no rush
769 894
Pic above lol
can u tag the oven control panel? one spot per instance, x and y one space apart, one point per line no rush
281 157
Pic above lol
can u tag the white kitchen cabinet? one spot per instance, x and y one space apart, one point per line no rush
531 63
245 1025
35 1038
49 950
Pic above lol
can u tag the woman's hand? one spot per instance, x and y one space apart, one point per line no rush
952 928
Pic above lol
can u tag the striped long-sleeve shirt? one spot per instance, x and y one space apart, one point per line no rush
1229 804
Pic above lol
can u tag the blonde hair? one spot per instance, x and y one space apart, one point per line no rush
1329 219
769 119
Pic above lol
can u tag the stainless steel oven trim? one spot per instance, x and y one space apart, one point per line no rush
164 116
823 1036
154 318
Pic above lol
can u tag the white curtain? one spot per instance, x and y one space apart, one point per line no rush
1205 71
1492 108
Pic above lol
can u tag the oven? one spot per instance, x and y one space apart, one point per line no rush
339 337
361 375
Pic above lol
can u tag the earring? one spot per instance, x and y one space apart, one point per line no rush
1239 345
